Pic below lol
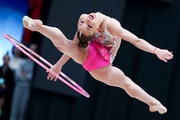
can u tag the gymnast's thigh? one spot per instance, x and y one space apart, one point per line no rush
107 74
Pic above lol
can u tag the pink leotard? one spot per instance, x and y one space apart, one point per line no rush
100 52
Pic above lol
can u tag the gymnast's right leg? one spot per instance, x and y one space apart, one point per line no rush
54 34
59 40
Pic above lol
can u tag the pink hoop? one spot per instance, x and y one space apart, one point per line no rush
73 85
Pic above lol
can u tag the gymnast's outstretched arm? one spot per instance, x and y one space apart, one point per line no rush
118 30
59 64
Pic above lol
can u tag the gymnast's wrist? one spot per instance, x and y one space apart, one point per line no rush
59 65
155 50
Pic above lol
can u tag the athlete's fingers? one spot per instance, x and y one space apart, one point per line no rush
168 57
55 79
50 75
164 59
170 53
54 76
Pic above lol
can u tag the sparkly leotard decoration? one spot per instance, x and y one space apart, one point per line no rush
100 51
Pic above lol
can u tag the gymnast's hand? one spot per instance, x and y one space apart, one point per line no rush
56 69
163 55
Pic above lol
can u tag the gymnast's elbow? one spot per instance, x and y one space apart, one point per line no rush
60 45
137 42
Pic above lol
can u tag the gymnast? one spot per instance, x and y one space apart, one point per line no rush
94 46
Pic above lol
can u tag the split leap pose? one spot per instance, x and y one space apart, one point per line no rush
94 46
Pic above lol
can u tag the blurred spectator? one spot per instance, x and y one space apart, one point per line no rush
23 78
6 87
16 60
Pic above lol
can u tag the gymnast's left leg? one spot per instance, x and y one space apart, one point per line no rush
115 77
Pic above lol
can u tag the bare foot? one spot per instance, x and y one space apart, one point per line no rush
31 24
158 107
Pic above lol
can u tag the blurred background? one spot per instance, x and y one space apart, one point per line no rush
156 21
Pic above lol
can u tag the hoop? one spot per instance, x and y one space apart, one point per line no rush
68 80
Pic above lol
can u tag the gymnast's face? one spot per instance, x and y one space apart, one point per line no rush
88 24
